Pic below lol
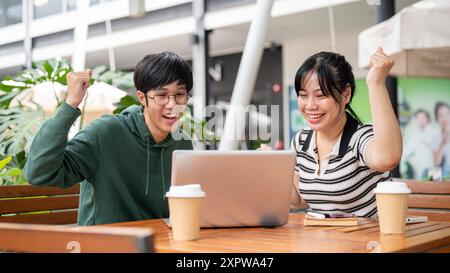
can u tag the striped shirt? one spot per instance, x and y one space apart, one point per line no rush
345 183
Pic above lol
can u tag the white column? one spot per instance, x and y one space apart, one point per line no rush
332 27
246 77
27 17
111 55
137 8
199 63
80 36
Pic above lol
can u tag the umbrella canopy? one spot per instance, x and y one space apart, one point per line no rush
100 97
418 39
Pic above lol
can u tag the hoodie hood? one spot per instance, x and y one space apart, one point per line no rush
133 118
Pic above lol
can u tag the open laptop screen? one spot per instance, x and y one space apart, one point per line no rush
243 188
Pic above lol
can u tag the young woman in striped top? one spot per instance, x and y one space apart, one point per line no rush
340 160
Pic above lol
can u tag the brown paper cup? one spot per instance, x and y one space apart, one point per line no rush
392 208
185 217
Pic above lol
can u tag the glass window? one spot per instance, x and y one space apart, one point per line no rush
95 2
10 12
46 8
70 5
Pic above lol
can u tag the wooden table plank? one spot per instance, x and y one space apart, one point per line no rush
295 237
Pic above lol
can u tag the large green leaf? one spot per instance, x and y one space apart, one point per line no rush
120 79
14 172
124 82
9 84
10 172
53 70
192 125
5 162
97 71
125 102
5 100
12 176
17 128
19 160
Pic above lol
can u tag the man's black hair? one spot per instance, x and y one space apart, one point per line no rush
156 70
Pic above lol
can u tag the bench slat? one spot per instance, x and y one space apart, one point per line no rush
52 218
429 201
28 191
38 204
429 187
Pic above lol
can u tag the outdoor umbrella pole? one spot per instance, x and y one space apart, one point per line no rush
384 11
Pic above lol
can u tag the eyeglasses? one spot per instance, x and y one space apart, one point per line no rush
163 99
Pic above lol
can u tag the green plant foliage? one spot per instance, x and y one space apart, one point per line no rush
10 172
18 126
120 79
125 102
5 162
197 129
44 71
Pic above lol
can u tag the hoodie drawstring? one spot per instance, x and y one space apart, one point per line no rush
162 174
147 179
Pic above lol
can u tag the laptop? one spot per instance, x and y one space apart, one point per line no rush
243 188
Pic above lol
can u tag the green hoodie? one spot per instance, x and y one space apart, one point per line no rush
124 173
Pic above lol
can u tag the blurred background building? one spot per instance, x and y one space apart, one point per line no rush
121 32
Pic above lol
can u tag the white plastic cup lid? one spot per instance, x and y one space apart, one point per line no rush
186 191
392 187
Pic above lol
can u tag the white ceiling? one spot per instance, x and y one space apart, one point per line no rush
351 17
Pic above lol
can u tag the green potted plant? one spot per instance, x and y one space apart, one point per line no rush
19 122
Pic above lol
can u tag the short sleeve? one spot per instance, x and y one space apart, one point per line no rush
366 135
295 147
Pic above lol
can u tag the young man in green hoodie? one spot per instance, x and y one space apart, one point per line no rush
123 161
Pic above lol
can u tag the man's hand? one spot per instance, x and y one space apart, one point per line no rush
77 85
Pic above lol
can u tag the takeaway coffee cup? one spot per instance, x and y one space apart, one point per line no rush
392 204
185 204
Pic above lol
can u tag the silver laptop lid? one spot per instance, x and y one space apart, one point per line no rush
243 188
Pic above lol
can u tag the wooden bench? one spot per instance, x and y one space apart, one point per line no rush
39 205
430 199
58 239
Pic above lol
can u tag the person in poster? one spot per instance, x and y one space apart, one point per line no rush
441 149
418 150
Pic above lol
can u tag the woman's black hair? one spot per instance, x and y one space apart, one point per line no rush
157 70
334 74
437 106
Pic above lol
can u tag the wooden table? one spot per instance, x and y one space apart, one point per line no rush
295 237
